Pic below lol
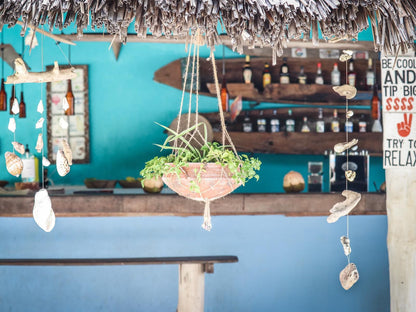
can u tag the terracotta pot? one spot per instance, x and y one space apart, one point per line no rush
215 181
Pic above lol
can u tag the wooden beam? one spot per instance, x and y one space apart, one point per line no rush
119 261
302 204
59 38
224 39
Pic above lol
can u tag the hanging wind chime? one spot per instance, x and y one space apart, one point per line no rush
3 95
349 275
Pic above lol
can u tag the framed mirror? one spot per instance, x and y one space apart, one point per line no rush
77 131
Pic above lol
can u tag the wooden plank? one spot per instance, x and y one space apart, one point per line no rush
300 143
191 288
119 261
302 204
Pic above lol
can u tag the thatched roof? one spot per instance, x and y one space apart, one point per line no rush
259 22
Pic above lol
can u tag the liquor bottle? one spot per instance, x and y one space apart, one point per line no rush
349 126
247 72
225 98
284 72
274 123
30 171
261 123
335 76
335 122
11 101
22 106
370 75
319 79
267 77
3 97
351 74
320 123
290 122
362 124
376 111
247 125
70 98
305 126
302 76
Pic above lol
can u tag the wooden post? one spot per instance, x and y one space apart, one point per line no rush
401 238
191 287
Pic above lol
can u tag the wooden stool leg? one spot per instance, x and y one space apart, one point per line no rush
191 288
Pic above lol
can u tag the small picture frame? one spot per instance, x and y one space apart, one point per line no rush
77 132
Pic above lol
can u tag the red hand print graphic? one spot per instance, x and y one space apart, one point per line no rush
404 127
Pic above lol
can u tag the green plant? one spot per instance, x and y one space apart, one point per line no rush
242 168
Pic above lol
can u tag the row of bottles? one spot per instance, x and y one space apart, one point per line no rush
301 77
318 125
22 105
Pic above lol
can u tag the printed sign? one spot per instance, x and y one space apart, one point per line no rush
399 108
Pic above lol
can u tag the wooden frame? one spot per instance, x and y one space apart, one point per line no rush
77 133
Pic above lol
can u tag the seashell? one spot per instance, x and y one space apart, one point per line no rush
340 147
349 276
30 39
343 208
39 123
63 123
39 143
349 114
19 147
42 211
65 104
346 55
345 241
350 175
15 107
12 125
14 164
62 165
45 162
67 151
346 90
40 108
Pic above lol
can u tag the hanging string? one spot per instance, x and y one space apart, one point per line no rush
68 58
41 97
2 54
347 152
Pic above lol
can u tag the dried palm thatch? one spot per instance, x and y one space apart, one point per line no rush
250 22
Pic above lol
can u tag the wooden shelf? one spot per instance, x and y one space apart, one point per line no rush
302 204
301 143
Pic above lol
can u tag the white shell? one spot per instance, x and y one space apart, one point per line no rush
15 107
343 208
65 104
19 147
39 123
67 151
45 162
14 164
350 113
349 276
340 147
346 90
345 241
40 107
63 123
350 175
62 165
39 143
30 39
12 125
42 211
346 55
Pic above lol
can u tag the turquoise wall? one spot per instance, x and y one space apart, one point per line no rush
286 264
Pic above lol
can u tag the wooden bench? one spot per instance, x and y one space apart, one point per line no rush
191 272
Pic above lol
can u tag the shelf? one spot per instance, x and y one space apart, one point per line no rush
293 93
302 204
301 143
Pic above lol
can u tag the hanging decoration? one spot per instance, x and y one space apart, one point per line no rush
22 104
198 169
3 94
349 275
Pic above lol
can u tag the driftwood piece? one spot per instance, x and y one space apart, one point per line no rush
21 74
343 208
341 147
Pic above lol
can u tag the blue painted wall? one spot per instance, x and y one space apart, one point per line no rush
286 264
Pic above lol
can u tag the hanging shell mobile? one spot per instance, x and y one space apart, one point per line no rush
19 147
14 164
42 211
343 208
62 165
39 143
349 276
67 151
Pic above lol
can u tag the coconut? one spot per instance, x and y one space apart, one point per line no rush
153 185
293 182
